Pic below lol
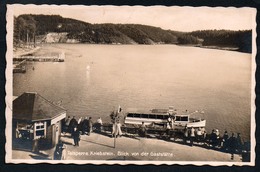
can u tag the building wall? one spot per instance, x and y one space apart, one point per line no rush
49 134
56 131
53 132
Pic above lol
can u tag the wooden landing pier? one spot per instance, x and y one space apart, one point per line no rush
57 58
19 67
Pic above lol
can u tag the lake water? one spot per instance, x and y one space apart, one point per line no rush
95 79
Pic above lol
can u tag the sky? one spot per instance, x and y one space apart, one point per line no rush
173 18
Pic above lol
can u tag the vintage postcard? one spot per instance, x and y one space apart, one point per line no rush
130 85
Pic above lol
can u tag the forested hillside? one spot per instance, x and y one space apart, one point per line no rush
35 28
224 38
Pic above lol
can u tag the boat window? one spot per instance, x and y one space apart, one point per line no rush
136 115
144 115
184 118
160 117
130 115
152 116
178 118
165 116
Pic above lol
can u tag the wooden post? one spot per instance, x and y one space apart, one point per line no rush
27 38
114 141
34 40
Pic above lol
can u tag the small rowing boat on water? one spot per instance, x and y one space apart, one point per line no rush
163 117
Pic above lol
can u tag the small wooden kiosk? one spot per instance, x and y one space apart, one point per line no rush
35 117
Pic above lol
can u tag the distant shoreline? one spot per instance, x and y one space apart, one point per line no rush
23 51
216 48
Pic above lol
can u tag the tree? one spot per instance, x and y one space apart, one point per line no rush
24 29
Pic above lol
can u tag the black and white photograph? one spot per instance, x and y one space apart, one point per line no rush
130 85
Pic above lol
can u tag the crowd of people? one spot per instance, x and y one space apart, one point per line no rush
232 144
86 126
80 127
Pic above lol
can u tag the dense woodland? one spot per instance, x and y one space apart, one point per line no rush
33 28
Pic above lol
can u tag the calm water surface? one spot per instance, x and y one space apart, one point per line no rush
95 79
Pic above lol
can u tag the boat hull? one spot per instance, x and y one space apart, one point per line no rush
190 124
138 121
177 125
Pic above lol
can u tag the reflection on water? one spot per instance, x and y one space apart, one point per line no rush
94 79
88 75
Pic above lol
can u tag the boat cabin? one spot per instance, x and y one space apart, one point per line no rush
156 116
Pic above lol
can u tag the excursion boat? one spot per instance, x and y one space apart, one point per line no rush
160 117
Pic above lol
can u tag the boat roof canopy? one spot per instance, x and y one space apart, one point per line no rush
156 112
152 111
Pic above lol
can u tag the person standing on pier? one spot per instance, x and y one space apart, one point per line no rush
169 119
225 140
199 135
60 151
66 126
118 128
192 135
85 126
142 130
99 124
76 136
73 123
80 124
90 125
232 145
218 140
115 119
168 130
205 137
213 138
239 143
185 134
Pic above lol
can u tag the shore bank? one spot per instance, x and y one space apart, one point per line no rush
25 51
32 50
